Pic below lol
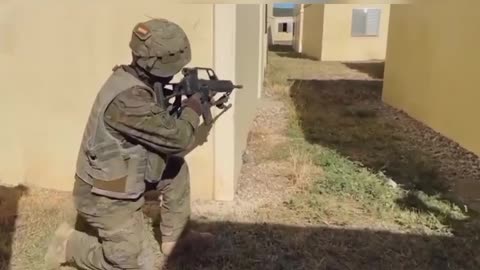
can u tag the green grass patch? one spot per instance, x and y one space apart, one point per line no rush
368 193
357 188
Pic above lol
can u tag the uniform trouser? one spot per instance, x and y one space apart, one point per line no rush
118 239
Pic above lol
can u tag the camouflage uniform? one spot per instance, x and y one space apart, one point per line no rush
131 142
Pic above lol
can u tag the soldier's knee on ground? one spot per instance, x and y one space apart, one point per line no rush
123 244
123 254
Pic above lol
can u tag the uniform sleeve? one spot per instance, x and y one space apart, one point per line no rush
135 115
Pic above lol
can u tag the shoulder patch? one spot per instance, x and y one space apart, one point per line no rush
142 31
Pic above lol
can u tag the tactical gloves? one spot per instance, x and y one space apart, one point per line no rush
194 102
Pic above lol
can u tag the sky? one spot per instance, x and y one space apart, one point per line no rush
284 5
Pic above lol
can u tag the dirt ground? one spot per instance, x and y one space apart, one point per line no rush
332 179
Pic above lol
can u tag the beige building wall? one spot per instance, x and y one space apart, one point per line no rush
298 30
246 34
431 66
265 35
313 29
339 45
57 68
56 57
225 25
326 33
249 49
270 23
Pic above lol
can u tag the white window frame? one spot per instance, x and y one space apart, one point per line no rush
366 22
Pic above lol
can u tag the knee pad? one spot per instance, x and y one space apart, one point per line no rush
124 254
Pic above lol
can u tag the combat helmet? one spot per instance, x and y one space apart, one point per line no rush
160 47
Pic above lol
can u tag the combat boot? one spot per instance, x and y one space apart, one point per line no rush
191 240
57 251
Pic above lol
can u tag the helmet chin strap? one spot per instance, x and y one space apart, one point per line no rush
145 75
151 63
142 74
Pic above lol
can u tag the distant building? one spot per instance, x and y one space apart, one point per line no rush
282 26
341 32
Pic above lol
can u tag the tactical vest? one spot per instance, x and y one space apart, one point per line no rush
103 161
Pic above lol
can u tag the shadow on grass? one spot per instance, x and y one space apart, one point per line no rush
373 69
349 117
295 55
9 200
288 52
280 48
271 246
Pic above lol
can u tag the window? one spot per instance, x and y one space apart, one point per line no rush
365 22
282 27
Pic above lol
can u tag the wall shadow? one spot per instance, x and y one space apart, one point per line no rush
280 48
373 69
350 117
296 55
269 35
271 246
289 52
9 203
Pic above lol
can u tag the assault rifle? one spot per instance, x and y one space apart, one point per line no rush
191 84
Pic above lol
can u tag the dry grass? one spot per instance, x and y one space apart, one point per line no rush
302 167
29 216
